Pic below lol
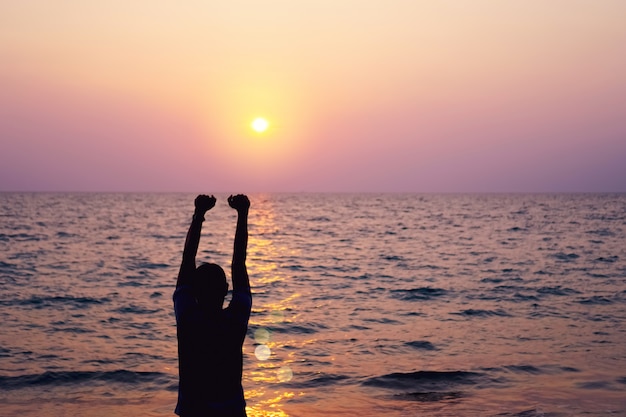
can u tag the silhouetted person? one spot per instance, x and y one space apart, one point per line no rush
210 338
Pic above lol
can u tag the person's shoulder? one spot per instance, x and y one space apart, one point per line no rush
243 295
182 289
182 294
241 302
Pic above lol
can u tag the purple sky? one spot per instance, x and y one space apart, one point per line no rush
375 96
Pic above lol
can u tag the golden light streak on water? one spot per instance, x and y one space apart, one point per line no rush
261 247
271 407
270 368
279 311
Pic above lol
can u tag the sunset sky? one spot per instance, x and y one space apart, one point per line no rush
406 95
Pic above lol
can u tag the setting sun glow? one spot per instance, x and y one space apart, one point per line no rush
260 125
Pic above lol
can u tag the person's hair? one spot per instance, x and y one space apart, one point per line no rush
209 284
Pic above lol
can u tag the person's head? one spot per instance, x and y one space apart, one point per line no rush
210 285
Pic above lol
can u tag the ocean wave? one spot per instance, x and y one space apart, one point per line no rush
39 302
75 330
317 380
609 259
130 284
62 235
421 345
558 290
595 385
509 288
141 380
531 413
429 266
549 369
528 369
426 381
291 328
595 275
354 327
148 265
421 294
318 219
601 232
22 237
595 300
381 320
391 257
428 397
132 309
518 297
565 257
492 280
482 313
5 265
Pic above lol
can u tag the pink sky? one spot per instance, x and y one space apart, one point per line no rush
424 96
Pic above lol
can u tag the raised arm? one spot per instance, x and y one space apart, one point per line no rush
239 272
203 203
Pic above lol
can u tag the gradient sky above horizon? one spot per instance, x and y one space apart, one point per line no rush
418 96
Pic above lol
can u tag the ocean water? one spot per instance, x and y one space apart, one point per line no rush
364 304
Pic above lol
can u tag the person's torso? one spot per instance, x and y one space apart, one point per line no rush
210 355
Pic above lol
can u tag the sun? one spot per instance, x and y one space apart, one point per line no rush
260 125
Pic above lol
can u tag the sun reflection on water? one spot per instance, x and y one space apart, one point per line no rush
272 363
270 407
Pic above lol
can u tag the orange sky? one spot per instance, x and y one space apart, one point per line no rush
361 95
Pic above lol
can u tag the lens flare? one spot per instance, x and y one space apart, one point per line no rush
277 316
261 336
262 352
284 374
